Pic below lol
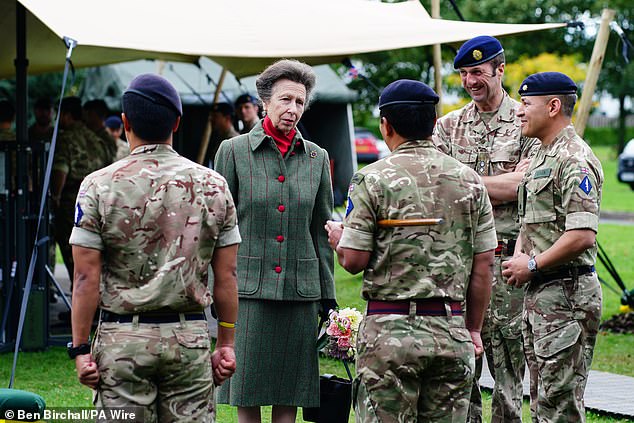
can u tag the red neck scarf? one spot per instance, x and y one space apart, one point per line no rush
282 141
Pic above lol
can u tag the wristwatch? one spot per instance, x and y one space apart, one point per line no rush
81 349
532 265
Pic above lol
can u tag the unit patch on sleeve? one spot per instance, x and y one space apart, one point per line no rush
79 213
585 185
350 206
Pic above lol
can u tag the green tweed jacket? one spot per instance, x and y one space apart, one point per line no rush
283 204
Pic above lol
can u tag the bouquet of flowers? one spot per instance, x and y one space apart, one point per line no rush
342 328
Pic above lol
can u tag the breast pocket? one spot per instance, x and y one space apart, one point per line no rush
505 158
539 205
466 155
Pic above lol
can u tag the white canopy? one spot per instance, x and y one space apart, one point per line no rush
243 35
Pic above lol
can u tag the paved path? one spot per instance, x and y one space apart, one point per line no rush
606 393
617 218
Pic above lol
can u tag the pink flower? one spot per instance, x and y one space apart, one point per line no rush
333 329
343 342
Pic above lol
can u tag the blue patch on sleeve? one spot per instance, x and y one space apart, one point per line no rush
79 213
350 206
585 185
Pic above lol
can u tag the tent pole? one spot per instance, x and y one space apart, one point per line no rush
204 142
596 61
435 13
21 89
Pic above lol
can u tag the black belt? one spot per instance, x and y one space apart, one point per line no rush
571 272
505 248
108 316
424 307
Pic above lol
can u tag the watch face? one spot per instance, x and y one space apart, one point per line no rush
532 265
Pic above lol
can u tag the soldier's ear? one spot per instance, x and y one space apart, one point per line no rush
389 129
178 121
126 122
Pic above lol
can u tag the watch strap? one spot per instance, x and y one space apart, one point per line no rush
74 351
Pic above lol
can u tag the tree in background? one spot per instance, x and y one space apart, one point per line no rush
616 77
45 85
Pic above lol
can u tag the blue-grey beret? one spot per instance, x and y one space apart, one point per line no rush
477 50
546 83
156 89
246 98
407 91
113 122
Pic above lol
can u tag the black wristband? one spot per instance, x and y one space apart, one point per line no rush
81 349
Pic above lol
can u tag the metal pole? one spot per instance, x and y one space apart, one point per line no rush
594 68
435 13
21 206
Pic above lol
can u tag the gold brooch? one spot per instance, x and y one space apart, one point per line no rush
313 154
477 54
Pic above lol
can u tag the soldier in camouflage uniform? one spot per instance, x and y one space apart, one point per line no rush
42 129
79 152
94 116
486 136
146 230
114 126
559 201
416 348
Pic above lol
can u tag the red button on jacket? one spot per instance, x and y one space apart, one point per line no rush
278 269
281 208
281 178
280 238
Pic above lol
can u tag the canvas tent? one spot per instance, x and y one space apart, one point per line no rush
242 35
328 120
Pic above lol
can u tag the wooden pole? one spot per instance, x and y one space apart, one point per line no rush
594 68
204 142
435 13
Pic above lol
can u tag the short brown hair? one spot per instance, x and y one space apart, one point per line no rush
497 61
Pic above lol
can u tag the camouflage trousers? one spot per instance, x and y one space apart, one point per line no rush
504 352
561 321
413 369
163 371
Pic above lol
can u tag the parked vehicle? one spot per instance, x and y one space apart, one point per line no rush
625 172
365 145
384 150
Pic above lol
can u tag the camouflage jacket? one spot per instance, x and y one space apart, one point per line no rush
78 152
283 204
157 218
561 191
7 134
108 145
491 149
417 181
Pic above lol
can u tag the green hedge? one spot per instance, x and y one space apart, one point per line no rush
606 136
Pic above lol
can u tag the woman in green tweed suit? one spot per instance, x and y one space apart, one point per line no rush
282 189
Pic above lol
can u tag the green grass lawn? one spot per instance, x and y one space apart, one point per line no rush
52 375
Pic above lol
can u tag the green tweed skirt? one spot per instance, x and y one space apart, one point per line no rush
276 355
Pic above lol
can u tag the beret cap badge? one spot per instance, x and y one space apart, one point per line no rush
477 54
524 87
